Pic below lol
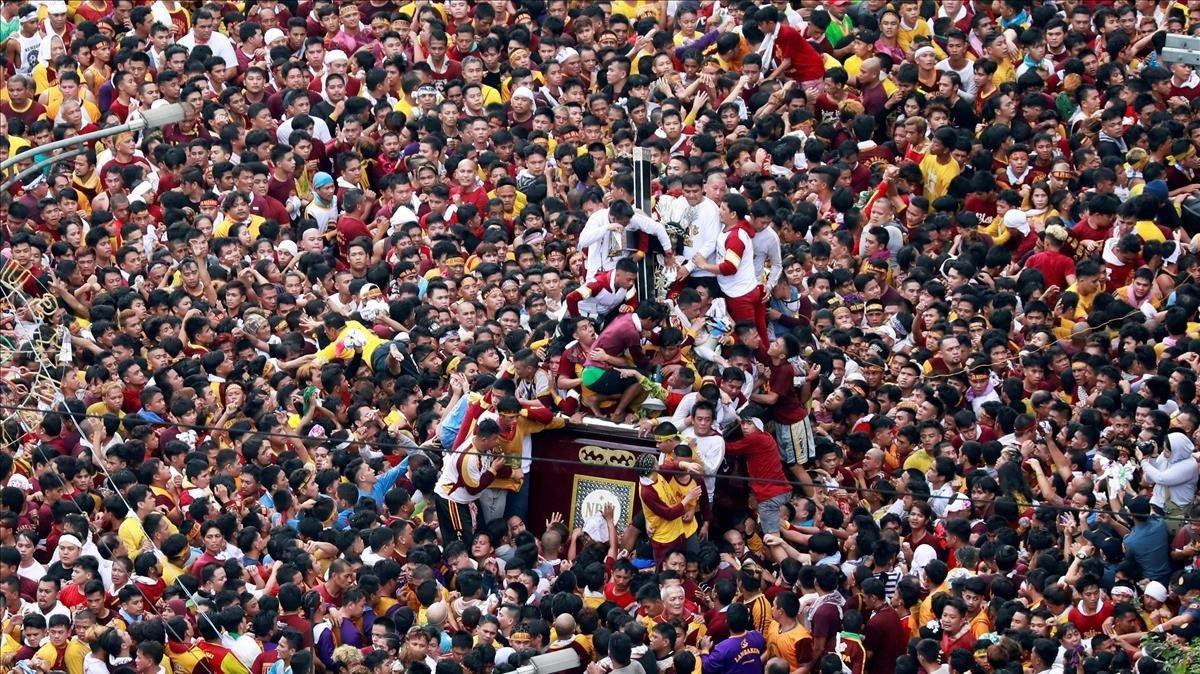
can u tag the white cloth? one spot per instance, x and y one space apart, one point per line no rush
717 324
1173 473
320 130
219 44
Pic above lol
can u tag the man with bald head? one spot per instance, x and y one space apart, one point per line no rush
872 466
564 628
874 87
776 666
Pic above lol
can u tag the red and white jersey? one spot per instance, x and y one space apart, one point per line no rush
735 254
464 476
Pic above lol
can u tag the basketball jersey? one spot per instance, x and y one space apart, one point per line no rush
27 52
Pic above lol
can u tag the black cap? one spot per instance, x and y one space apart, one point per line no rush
1138 507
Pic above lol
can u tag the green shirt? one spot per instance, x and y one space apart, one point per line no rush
9 27
836 30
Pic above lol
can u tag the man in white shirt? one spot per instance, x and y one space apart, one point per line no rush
734 267
708 444
768 255
700 220
204 33
726 411
957 62
604 239
297 104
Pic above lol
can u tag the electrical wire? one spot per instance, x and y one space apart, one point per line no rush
577 462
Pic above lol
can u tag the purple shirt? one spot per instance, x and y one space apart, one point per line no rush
737 655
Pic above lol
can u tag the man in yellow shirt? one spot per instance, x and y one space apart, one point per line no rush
473 72
69 88
176 551
938 167
346 339
61 652
1086 287
936 573
131 533
912 25
669 510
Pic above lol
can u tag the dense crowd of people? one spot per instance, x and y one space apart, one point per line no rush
900 298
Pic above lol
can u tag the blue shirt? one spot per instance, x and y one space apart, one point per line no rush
385 483
450 427
1147 545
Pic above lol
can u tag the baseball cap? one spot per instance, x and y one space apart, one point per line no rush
1139 507
958 504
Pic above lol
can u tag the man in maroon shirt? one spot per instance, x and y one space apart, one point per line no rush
281 183
443 67
350 226
262 203
884 636
126 99
21 104
826 615
767 480
290 596
714 618
787 403
605 373
341 576
1095 229
214 547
